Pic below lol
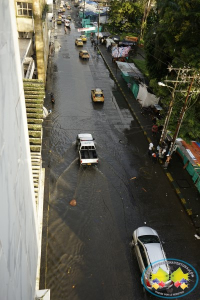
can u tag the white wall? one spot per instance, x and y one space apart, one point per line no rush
18 236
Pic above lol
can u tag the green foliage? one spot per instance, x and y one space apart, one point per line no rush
125 15
173 38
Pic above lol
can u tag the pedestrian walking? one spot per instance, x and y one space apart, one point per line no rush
154 129
150 149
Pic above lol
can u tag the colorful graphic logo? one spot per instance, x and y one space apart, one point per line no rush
170 278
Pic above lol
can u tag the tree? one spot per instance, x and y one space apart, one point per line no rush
125 15
174 39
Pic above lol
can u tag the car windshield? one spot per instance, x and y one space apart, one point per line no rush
99 95
148 239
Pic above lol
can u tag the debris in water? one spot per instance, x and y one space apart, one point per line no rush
132 178
197 236
72 202
73 286
144 190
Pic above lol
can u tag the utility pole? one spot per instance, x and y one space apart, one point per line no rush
182 78
181 117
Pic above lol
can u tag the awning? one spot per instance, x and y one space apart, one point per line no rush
130 69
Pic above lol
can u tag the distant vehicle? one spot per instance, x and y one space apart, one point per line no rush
86 149
97 95
83 37
84 54
59 21
148 249
68 7
78 42
63 18
69 17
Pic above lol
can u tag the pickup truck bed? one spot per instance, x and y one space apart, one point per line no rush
88 154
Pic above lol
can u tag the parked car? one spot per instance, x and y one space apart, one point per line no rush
148 250
86 149
84 54
83 37
68 7
97 95
78 42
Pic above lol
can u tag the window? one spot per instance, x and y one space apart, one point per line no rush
24 9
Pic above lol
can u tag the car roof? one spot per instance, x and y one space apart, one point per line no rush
86 136
98 90
79 39
86 143
155 253
84 51
145 230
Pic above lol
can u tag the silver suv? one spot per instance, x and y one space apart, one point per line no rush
148 250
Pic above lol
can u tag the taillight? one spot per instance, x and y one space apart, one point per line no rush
81 161
97 160
148 283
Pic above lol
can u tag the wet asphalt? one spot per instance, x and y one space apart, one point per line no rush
86 252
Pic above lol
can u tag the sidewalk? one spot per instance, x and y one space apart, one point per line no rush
179 177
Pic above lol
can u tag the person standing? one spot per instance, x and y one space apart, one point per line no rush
154 129
154 157
150 149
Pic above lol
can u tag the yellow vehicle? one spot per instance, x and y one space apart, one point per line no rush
63 9
68 7
83 37
78 42
69 17
84 54
59 21
97 95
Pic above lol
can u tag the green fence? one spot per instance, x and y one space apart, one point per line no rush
193 170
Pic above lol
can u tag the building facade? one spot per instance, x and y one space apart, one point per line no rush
21 173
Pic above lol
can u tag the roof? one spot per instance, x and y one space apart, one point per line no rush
191 151
130 69
145 230
155 253
98 90
87 143
84 51
34 91
85 136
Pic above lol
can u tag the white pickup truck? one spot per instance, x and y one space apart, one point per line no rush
86 149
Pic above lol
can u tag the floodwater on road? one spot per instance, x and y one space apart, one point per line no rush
88 252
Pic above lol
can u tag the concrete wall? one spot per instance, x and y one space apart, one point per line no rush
18 233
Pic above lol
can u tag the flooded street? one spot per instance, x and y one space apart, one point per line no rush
87 247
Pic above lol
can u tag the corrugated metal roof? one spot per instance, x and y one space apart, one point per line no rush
34 92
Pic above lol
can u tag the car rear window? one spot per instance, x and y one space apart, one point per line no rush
148 239
99 95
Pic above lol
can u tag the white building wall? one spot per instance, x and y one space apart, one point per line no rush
18 233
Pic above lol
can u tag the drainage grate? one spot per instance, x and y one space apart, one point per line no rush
183 183
66 55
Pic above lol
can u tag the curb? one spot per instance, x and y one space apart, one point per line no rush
169 176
